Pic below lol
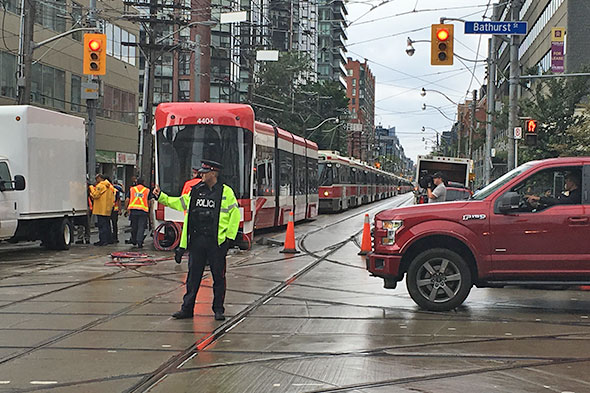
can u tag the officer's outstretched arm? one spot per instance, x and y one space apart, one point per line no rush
234 218
177 203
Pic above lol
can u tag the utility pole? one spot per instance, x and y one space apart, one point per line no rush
197 84
459 134
26 55
513 85
473 123
491 93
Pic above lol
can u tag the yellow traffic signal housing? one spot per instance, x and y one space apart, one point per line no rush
95 54
441 44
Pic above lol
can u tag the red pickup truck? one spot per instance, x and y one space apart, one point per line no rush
530 226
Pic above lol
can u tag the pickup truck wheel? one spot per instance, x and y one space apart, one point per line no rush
439 280
62 234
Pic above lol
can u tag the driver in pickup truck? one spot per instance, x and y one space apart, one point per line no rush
573 195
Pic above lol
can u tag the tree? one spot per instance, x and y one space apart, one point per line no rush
554 103
287 94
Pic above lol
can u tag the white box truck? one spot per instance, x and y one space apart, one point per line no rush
42 175
456 171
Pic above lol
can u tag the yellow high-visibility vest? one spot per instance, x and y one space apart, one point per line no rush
138 197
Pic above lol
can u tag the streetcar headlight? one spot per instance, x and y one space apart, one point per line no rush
326 193
391 226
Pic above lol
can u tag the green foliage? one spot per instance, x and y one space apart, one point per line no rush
285 93
555 104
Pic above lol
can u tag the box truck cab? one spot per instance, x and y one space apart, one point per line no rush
42 175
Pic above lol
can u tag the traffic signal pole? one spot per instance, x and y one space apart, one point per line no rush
491 93
513 86
91 105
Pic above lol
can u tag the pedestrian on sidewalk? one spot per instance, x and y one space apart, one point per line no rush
137 206
102 206
209 227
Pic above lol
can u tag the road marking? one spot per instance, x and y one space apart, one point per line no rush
267 300
43 382
276 385
112 351
236 324
308 384
4 382
166 346
189 358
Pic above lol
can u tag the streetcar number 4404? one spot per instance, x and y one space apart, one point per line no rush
205 120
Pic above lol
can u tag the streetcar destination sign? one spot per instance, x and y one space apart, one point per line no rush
498 28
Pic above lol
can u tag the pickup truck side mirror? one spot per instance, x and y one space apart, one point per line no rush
509 202
19 183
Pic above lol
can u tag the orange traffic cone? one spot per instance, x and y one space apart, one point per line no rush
366 243
290 237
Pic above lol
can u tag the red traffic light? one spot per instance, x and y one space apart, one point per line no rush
94 45
531 126
442 35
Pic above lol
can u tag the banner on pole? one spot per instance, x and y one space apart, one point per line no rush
557 49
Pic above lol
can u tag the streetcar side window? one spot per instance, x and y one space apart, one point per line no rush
300 171
286 172
264 164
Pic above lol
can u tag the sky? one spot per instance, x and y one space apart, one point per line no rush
378 32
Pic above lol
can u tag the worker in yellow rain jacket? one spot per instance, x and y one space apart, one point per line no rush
103 199
211 224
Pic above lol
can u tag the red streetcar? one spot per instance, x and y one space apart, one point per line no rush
271 171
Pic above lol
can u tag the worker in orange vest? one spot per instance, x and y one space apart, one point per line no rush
137 204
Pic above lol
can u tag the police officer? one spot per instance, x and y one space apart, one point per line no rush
211 223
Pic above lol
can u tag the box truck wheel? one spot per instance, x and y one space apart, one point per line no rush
62 234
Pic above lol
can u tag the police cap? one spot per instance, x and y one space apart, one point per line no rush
209 165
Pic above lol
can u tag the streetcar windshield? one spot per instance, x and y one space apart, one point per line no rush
181 148
325 172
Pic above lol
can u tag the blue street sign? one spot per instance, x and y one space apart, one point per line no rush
497 28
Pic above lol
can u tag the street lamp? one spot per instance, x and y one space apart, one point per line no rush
424 106
423 94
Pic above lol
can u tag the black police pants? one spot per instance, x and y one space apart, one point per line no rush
203 250
104 229
138 223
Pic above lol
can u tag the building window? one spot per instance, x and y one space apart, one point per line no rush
48 86
76 93
118 105
184 90
353 91
12 6
166 65
353 102
349 72
184 63
353 81
120 43
77 18
7 72
52 15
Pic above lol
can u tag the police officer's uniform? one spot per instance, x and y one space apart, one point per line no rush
213 218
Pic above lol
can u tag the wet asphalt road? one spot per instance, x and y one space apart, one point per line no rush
313 322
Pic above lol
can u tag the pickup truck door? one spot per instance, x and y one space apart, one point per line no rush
8 212
543 242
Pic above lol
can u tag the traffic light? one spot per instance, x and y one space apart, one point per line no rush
95 54
441 44
530 136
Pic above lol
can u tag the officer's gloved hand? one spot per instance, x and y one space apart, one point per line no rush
178 253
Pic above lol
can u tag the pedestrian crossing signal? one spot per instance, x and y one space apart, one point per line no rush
530 136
